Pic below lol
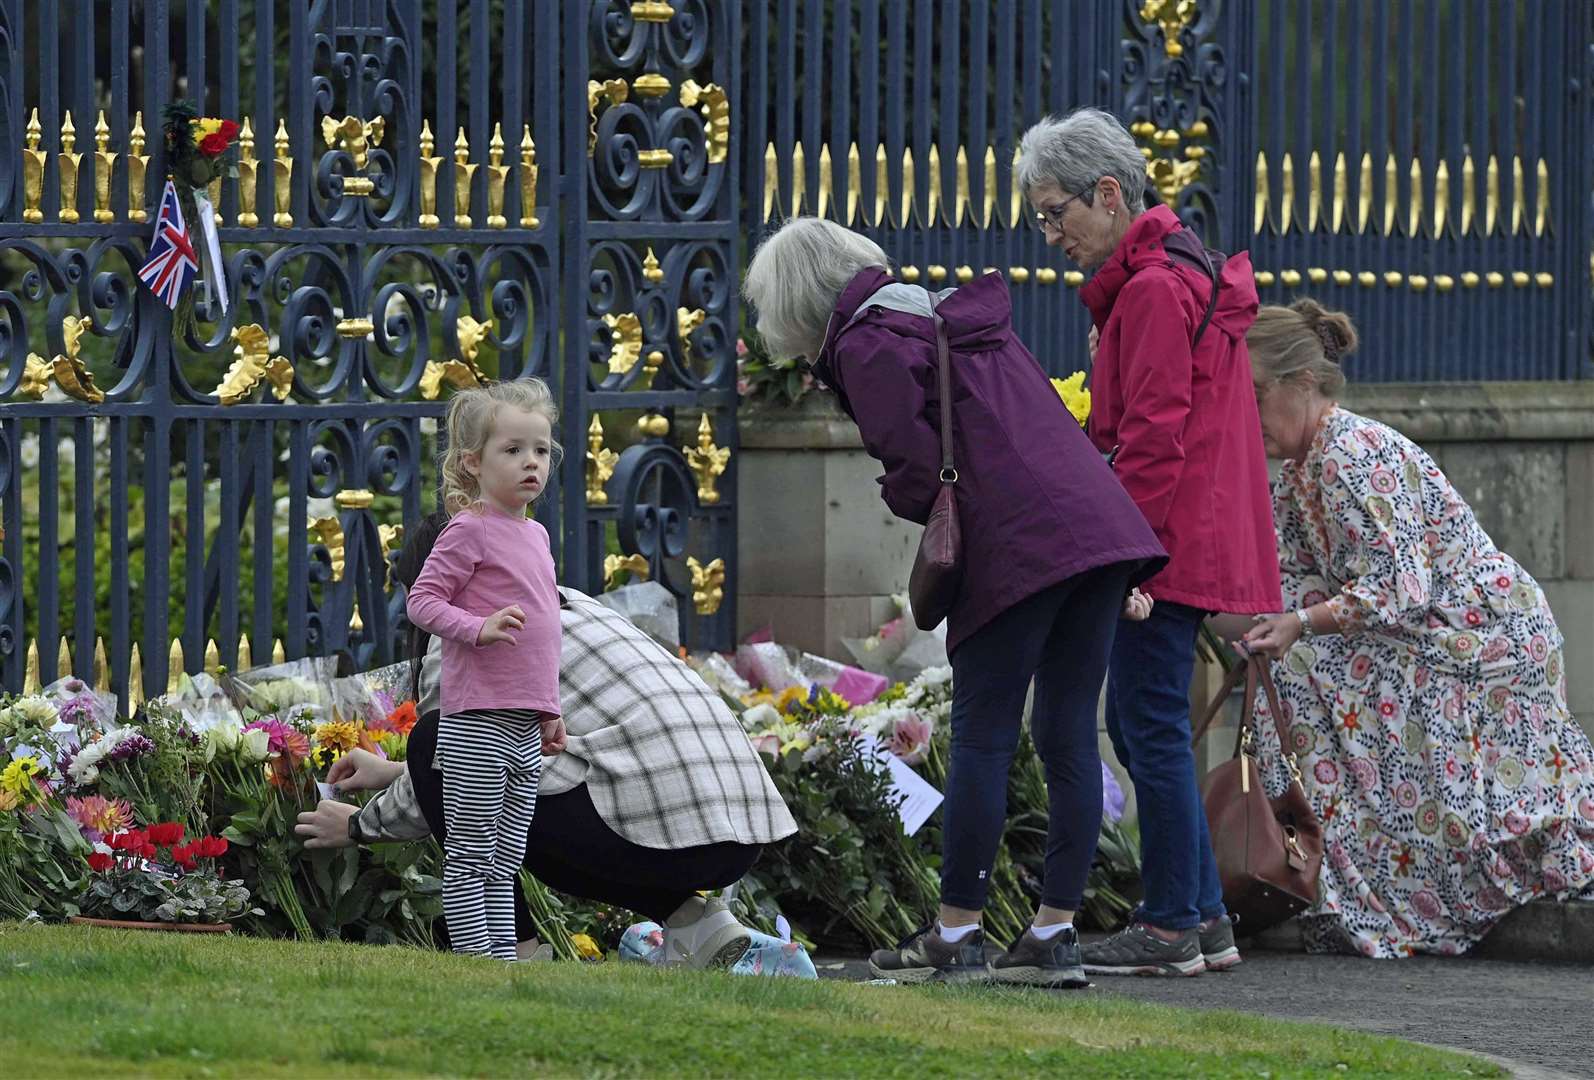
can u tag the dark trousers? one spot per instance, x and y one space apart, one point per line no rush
572 849
1060 638
1148 720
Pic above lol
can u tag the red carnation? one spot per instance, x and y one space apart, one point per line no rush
214 145
99 862
167 834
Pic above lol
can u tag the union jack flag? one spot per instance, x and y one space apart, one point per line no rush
172 264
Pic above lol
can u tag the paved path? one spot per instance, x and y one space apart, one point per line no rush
1539 1018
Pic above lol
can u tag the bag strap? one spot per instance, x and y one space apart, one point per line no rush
1256 669
1204 262
949 474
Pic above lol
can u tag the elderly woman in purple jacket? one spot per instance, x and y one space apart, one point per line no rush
1052 546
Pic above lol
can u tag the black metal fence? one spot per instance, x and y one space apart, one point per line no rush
429 194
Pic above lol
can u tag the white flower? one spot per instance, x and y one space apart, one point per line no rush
254 746
29 452
762 716
38 711
223 736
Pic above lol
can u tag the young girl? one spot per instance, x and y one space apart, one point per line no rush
488 591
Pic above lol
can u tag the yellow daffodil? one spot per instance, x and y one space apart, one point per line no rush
1075 396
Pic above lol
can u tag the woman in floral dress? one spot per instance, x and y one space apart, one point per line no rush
1420 672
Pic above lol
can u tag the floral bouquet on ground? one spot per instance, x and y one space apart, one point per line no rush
153 875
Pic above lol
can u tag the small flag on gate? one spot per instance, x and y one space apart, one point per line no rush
172 264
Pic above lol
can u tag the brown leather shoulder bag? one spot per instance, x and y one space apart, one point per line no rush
1269 851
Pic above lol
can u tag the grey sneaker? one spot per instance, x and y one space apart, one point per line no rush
711 939
1217 943
1135 950
1033 962
532 951
925 956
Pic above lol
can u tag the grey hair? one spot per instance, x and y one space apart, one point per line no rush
1077 150
796 277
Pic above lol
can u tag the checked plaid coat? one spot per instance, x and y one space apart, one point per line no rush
666 762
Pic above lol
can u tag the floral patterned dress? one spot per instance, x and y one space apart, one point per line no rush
1432 732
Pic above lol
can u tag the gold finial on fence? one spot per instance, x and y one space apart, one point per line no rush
1418 282
854 184
1544 279
102 667
906 207
1414 201
650 267
988 199
428 178
30 673
1265 278
135 681
33 172
174 666
497 178
964 274
1287 207
1519 195
1491 196
1469 194
1341 192
882 185
1441 198
799 180
910 274
1317 275
464 171
615 565
137 169
653 11
1018 275
771 181
1444 282
1314 191
63 660
1391 193
1393 278
1364 198
245 660
932 186
104 163
937 273
826 182
528 180
625 341
1259 202
279 655
68 163
1343 277
1520 278
212 657
248 177
651 363
960 187
1016 209
282 178
71 374
708 585
1541 216
707 462
1470 279
715 106
600 463
1367 279
1290 278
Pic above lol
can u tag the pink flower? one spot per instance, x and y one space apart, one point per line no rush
741 347
910 738
95 813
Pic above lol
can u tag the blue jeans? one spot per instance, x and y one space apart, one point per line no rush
1148 720
1060 637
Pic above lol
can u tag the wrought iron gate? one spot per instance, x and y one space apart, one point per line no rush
427 195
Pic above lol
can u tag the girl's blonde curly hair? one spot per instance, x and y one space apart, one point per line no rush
470 425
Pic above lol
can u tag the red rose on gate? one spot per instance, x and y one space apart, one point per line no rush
228 130
214 144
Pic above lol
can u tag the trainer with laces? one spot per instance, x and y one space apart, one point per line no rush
1043 958
1217 943
703 933
927 955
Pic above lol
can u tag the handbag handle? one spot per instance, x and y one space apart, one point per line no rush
943 355
1256 669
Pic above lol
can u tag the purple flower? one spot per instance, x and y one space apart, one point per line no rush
1112 796
78 711
135 745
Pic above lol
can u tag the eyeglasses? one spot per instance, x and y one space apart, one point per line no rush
1053 215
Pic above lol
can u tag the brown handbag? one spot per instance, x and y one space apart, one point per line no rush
1269 851
938 567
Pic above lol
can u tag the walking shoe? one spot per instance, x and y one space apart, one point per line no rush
532 951
707 935
1033 962
1217 943
926 956
1135 950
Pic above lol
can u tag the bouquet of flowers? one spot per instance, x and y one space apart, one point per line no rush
152 875
43 859
198 153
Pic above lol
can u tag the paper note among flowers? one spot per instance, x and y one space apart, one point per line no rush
919 797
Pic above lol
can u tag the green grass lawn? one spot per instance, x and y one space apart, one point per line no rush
88 1002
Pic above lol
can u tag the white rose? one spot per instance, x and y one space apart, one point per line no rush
762 716
255 745
225 734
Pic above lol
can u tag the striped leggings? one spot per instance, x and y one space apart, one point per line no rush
491 760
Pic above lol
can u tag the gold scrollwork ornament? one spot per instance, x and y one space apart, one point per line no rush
617 91
707 462
328 532
615 565
716 108
71 374
600 464
253 353
708 585
625 336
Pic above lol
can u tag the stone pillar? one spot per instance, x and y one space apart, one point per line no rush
820 554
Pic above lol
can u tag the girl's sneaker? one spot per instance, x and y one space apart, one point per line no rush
926 956
709 938
1032 962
